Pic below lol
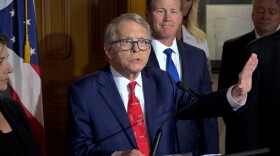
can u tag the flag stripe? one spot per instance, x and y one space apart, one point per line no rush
30 96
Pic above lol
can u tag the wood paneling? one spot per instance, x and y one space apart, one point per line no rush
102 11
137 6
56 24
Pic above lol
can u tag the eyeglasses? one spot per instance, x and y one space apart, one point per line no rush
128 44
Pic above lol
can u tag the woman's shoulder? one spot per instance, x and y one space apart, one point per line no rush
10 104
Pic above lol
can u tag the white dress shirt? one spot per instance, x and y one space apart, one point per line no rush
122 85
161 56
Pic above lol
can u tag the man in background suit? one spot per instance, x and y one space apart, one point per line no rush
266 19
98 121
263 107
199 136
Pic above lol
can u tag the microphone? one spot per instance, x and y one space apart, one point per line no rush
182 86
155 144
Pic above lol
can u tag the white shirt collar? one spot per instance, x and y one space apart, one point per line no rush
257 35
122 82
159 47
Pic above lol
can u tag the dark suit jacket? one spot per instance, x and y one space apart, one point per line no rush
198 136
233 60
16 117
262 113
98 122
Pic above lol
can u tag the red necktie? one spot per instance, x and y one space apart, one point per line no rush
136 119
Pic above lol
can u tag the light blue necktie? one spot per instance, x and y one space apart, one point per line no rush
170 66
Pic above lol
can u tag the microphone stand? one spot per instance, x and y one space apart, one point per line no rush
155 144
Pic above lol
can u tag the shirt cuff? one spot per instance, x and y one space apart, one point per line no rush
235 105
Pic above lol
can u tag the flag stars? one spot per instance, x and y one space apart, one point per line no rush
12 13
13 39
32 51
28 21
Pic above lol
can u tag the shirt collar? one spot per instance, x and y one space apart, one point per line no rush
122 82
159 47
257 35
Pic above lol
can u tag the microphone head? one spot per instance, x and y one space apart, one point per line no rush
181 85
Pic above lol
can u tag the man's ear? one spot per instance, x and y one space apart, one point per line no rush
107 49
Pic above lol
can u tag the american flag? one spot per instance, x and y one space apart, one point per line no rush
18 22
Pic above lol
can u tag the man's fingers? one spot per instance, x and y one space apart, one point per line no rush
253 62
245 76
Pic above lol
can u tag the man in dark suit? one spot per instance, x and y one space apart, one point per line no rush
263 107
232 59
199 136
99 103
266 19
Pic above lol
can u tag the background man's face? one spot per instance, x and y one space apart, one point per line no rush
164 18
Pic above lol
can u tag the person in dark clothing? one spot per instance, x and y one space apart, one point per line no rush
16 138
260 118
266 19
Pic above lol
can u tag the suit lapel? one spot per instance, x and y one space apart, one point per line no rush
149 89
110 94
252 36
153 62
277 34
185 55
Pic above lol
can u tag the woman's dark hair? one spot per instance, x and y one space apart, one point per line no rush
3 39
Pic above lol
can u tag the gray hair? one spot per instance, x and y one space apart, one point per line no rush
113 27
